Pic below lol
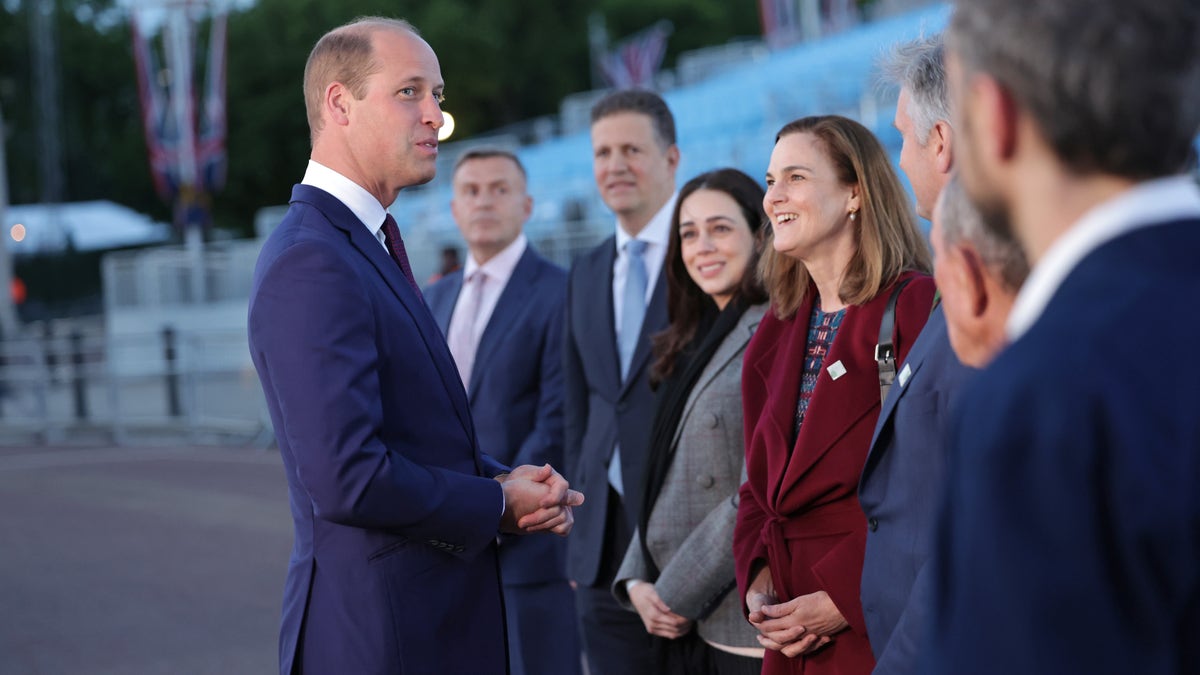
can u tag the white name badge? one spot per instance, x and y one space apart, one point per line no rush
905 373
836 370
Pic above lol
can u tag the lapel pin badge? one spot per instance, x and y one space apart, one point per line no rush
836 370
905 373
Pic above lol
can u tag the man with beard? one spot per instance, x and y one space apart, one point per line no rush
1071 537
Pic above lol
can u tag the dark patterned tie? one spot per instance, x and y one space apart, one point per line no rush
395 246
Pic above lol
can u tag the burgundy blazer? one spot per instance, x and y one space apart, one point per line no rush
799 510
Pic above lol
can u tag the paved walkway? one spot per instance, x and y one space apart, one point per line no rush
141 560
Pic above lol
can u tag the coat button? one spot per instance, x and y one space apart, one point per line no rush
714 421
704 480
873 523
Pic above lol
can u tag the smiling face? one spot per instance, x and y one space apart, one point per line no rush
634 172
391 132
715 242
808 205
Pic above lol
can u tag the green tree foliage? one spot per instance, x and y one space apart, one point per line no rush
504 61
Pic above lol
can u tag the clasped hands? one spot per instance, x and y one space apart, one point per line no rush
537 499
656 615
799 626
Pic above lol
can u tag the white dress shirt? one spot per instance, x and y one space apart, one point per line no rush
656 235
1146 204
356 198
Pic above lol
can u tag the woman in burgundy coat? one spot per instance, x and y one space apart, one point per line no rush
843 239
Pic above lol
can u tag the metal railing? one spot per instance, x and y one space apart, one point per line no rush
62 387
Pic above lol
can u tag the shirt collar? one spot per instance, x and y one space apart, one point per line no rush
500 267
354 196
657 231
1145 204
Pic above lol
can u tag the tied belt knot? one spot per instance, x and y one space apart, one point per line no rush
823 520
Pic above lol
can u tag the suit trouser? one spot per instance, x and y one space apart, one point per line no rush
541 629
614 638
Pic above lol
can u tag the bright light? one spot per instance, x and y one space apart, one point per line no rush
447 128
18 232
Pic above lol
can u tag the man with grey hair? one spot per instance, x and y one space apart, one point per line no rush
901 481
978 273
922 117
1070 541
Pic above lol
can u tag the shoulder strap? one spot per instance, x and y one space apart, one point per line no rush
885 350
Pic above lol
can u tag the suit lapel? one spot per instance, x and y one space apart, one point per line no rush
730 347
654 321
916 358
442 311
599 319
369 247
837 405
508 307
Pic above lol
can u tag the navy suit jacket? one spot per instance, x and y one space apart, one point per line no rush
1071 538
900 491
601 410
516 392
395 516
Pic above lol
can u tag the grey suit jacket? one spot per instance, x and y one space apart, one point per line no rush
691 527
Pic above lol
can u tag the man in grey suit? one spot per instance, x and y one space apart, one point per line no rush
901 481
616 299
503 318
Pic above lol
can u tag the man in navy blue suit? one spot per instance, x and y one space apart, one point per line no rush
503 318
395 509
905 469
1070 540
616 299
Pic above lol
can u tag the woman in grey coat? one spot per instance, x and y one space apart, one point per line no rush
678 572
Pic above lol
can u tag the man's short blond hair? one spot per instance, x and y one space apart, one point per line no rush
344 55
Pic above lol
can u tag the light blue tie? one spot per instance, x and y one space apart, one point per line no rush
633 311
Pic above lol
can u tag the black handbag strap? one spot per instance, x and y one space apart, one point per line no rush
885 350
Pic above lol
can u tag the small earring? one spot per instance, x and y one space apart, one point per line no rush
853 215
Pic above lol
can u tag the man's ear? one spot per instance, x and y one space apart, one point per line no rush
942 138
999 116
336 103
972 277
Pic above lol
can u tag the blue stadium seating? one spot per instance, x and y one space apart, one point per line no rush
727 120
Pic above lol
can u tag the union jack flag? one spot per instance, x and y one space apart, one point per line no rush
165 132
780 21
635 62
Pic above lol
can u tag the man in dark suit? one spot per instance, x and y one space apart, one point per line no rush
905 469
503 317
395 509
616 299
1070 541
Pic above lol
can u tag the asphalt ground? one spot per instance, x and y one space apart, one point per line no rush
141 560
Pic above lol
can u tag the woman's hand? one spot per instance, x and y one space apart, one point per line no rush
657 617
799 626
761 592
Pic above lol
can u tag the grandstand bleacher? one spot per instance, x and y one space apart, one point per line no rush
729 119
